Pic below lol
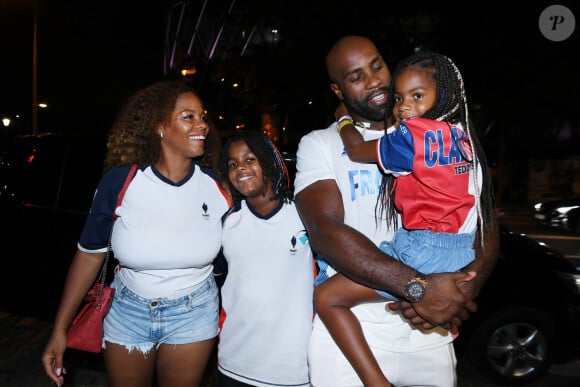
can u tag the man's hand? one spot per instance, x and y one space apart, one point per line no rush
444 304
468 285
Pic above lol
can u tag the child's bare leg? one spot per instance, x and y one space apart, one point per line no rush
333 299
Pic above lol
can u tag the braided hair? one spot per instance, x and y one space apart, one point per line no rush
273 166
450 106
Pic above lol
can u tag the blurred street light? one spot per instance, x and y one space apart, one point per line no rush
187 71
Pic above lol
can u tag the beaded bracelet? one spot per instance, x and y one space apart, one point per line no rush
344 120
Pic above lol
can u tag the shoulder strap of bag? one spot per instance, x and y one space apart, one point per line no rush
103 275
130 176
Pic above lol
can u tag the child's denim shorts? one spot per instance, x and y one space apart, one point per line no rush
140 323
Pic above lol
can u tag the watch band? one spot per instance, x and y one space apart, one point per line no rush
416 287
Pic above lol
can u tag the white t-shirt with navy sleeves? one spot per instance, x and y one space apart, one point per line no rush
321 156
167 234
267 306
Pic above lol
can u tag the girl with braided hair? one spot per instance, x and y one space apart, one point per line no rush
267 307
436 177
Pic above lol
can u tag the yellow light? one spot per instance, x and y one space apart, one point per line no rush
188 71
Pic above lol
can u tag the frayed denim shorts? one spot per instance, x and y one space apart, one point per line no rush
141 324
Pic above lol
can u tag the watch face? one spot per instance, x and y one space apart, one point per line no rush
415 291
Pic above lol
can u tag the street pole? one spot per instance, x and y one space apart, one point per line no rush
34 76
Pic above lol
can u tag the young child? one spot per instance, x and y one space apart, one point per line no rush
267 306
436 177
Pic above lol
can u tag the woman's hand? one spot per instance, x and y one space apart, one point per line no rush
52 357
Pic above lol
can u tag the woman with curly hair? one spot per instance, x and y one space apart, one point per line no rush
163 321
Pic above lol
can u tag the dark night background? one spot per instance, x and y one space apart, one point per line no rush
522 87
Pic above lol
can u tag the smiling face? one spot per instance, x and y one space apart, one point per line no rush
245 172
185 132
415 92
360 78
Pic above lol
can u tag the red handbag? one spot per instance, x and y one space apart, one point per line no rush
86 330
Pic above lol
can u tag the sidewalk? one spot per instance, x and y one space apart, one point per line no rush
22 340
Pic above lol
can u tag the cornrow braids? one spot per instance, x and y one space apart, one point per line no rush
273 166
451 106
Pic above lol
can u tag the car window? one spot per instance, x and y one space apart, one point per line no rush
53 172
34 171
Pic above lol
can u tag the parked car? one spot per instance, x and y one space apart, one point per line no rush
47 183
563 214
529 313
529 309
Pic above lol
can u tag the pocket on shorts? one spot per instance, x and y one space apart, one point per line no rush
206 295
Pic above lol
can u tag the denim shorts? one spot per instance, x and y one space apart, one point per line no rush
430 252
139 323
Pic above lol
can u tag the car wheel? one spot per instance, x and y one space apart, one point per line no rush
514 346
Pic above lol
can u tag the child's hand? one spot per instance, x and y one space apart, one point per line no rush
340 111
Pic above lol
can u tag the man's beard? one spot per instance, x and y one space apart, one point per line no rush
364 110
